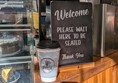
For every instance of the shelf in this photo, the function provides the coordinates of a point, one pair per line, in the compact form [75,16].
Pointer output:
[13,27]
[24,55]
[10,62]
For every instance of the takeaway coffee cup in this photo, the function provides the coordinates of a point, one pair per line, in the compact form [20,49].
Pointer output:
[48,55]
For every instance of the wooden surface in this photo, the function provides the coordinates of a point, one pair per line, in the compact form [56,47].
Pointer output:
[101,70]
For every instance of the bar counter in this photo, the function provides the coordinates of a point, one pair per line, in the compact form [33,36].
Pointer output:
[101,70]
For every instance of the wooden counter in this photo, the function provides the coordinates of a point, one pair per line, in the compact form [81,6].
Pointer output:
[101,70]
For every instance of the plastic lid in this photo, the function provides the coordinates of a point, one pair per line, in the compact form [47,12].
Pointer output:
[48,44]
[48,79]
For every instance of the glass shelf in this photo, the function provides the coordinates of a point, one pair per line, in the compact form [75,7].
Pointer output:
[15,60]
[13,27]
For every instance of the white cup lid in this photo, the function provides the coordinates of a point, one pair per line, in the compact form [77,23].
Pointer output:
[48,79]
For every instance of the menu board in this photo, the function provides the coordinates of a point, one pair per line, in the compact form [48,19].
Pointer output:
[71,23]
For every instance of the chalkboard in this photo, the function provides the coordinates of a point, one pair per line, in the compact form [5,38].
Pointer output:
[71,23]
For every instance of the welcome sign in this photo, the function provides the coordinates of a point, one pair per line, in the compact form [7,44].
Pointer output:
[72,27]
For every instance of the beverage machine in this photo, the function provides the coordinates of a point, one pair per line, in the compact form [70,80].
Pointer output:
[103,30]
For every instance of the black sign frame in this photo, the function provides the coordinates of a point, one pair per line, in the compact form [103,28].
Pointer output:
[71,23]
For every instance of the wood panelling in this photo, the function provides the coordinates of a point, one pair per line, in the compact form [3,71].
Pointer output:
[99,78]
[109,75]
[91,80]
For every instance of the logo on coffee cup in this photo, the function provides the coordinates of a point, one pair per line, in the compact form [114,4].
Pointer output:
[47,65]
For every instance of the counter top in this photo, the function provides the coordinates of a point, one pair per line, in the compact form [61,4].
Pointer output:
[81,72]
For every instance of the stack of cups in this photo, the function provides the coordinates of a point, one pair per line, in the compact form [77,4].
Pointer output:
[48,55]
